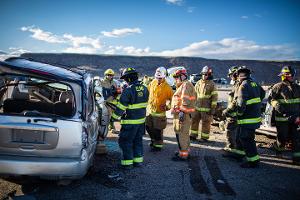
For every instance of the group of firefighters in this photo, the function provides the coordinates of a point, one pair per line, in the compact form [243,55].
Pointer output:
[141,107]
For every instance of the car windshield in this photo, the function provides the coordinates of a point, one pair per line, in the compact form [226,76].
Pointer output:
[20,95]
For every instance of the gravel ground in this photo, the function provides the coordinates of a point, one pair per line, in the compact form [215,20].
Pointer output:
[207,175]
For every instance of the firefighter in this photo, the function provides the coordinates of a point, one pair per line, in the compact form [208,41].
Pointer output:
[248,107]
[230,112]
[109,90]
[131,110]
[160,95]
[285,98]
[205,105]
[183,104]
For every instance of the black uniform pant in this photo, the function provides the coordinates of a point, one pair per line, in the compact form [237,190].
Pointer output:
[287,131]
[246,142]
[131,143]
[155,126]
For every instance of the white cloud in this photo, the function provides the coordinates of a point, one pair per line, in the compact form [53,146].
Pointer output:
[258,15]
[244,17]
[83,40]
[232,48]
[16,51]
[42,35]
[191,9]
[121,32]
[84,49]
[202,30]
[175,2]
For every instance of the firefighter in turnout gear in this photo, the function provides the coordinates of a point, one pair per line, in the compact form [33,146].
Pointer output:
[131,111]
[183,104]
[160,95]
[248,105]
[109,89]
[205,105]
[230,111]
[285,98]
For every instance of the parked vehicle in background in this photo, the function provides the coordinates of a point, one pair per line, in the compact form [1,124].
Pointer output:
[220,81]
[170,80]
[49,121]
[194,78]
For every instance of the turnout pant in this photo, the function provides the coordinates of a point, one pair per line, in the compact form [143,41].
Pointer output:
[287,131]
[205,119]
[246,143]
[181,130]
[131,143]
[231,133]
[155,126]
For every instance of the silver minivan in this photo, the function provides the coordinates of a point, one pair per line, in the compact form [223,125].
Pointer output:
[49,121]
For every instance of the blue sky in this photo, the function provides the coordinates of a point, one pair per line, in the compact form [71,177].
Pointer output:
[221,29]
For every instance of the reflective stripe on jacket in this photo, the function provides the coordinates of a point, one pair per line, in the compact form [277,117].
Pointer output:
[249,97]
[207,95]
[287,96]
[184,98]
[131,109]
[159,94]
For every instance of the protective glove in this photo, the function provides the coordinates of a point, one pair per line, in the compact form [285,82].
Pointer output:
[297,121]
[181,116]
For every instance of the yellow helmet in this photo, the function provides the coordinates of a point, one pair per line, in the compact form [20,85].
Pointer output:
[109,72]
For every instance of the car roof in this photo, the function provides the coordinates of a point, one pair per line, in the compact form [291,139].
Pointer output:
[18,65]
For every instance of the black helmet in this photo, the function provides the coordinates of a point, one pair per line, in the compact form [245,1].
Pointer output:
[232,70]
[243,69]
[127,72]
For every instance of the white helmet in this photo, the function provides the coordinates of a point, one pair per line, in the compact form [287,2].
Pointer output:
[160,73]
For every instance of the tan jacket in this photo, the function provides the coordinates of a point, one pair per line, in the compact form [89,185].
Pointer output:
[107,89]
[159,94]
[184,98]
[207,96]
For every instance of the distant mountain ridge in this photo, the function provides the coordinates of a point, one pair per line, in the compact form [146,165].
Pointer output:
[264,71]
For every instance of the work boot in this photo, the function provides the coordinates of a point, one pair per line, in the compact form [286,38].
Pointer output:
[135,164]
[193,138]
[126,167]
[155,149]
[237,157]
[176,157]
[248,164]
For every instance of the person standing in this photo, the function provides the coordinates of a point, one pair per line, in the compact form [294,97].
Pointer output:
[109,89]
[206,103]
[160,96]
[230,111]
[183,104]
[248,106]
[285,98]
[131,111]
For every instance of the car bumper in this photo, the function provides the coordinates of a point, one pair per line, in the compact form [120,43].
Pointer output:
[49,168]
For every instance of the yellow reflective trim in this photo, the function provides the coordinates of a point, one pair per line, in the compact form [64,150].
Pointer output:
[158,114]
[133,121]
[253,101]
[296,154]
[126,162]
[289,101]
[204,135]
[214,93]
[203,96]
[253,158]
[281,119]
[213,103]
[138,159]
[138,105]
[121,106]
[203,109]
[236,151]
[115,116]
[194,132]
[249,121]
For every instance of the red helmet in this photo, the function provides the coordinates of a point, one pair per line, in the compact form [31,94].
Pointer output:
[179,72]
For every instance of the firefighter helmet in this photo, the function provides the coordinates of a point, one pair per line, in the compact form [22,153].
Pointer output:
[109,72]
[179,72]
[206,70]
[287,71]
[160,73]
[232,70]
[128,72]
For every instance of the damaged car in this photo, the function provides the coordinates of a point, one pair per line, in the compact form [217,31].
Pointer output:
[49,120]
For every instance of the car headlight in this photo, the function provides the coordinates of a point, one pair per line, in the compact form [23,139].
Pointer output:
[83,155]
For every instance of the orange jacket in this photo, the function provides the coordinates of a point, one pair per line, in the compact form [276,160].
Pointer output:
[159,94]
[184,98]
